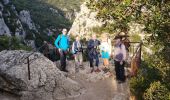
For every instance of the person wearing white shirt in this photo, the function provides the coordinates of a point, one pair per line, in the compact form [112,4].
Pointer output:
[105,50]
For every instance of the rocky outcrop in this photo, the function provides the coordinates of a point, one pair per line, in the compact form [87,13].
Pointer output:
[9,21]
[47,81]
[26,19]
[85,20]
[6,2]
[4,30]
[70,15]
[30,43]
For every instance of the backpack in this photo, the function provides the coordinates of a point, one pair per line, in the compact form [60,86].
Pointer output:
[60,35]
[57,50]
[75,46]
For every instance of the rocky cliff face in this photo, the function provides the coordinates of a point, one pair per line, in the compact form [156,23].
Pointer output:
[10,25]
[85,20]
[14,23]
[25,18]
[46,83]
[4,30]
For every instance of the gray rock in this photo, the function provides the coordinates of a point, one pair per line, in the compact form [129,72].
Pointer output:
[47,81]
[26,18]
[1,8]
[4,30]
[70,14]
[30,43]
[20,33]
[6,2]
[85,20]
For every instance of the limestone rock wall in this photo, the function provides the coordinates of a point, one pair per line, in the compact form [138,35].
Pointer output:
[85,20]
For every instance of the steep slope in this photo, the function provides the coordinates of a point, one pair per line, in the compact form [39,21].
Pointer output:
[32,20]
[50,13]
[69,7]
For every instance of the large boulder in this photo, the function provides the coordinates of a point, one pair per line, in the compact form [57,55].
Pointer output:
[46,82]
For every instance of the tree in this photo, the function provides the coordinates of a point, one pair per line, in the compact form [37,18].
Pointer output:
[155,16]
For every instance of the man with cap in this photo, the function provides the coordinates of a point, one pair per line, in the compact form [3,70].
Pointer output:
[119,59]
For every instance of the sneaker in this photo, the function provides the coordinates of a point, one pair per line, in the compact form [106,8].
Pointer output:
[121,81]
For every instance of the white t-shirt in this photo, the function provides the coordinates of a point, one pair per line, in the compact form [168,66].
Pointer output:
[105,47]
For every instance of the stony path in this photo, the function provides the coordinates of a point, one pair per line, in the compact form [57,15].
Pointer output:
[105,89]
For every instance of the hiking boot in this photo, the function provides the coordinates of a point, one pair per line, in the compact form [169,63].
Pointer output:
[92,70]
[64,70]
[97,70]
[120,81]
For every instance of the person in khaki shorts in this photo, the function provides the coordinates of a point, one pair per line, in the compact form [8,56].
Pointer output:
[77,51]
[105,49]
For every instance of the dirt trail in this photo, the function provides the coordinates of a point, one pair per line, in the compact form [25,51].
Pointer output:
[106,89]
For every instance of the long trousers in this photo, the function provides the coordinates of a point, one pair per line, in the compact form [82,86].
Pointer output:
[63,59]
[78,57]
[91,59]
[120,71]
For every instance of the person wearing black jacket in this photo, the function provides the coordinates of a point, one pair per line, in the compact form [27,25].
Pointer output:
[93,53]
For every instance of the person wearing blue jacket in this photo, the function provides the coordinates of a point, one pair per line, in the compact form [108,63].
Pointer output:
[62,43]
[93,53]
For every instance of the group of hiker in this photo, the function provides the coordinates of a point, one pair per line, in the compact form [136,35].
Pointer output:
[95,49]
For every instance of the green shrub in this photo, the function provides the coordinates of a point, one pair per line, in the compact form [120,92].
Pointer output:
[157,91]
[154,69]
[135,38]
[145,76]
[12,43]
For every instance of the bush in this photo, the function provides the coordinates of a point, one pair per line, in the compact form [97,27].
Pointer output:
[15,44]
[154,69]
[142,81]
[156,91]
